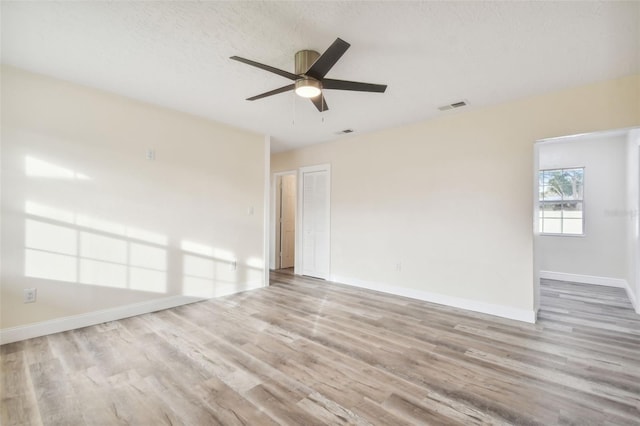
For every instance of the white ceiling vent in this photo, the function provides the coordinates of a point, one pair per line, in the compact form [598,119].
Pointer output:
[454,105]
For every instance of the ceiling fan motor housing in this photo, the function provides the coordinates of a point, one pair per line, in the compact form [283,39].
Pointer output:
[307,87]
[304,59]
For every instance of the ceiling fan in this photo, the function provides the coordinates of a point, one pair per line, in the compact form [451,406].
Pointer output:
[310,70]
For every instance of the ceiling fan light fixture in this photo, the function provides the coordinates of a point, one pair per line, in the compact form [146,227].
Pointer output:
[308,88]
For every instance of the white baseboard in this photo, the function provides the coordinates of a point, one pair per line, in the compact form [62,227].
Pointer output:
[584,279]
[590,279]
[14,334]
[23,332]
[456,302]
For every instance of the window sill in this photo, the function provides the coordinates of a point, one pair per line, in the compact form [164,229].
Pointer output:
[563,235]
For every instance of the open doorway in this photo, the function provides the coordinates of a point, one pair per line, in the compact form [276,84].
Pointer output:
[299,229]
[585,211]
[285,220]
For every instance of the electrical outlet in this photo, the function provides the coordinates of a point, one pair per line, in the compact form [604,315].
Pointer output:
[398,267]
[30,295]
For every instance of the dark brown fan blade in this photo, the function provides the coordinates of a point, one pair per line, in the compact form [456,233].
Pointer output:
[320,102]
[328,59]
[278,71]
[328,83]
[272,92]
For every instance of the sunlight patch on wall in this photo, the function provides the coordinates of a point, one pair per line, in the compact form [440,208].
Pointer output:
[199,276]
[216,253]
[100,224]
[59,247]
[147,280]
[148,266]
[60,215]
[81,248]
[103,260]
[105,274]
[198,248]
[49,212]
[34,167]
[147,256]
[254,273]
[207,271]
[99,247]
[50,266]
[53,238]
[199,267]
[255,262]
[148,236]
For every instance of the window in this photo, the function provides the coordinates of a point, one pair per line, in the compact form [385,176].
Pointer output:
[561,201]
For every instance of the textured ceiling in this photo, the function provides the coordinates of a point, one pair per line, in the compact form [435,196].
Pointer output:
[175,54]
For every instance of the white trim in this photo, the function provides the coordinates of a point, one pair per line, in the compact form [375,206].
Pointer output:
[14,334]
[633,202]
[585,184]
[23,332]
[536,226]
[590,279]
[266,216]
[584,279]
[441,299]
[273,215]
[580,136]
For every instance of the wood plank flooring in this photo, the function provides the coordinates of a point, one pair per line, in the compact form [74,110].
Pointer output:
[306,352]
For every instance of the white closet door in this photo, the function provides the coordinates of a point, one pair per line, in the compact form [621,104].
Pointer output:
[315,221]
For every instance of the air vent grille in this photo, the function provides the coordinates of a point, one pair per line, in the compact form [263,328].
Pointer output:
[454,105]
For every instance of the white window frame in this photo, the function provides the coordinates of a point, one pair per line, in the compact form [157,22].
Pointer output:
[539,201]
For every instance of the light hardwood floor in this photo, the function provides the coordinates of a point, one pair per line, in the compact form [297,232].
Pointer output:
[305,352]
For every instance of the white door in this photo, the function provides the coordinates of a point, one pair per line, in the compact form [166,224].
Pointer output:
[315,209]
[287,221]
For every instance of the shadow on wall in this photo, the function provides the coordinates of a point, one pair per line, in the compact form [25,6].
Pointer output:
[72,247]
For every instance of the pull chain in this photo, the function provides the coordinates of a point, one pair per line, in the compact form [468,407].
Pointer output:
[293,98]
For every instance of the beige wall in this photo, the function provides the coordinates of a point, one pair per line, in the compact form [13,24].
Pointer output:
[451,198]
[94,225]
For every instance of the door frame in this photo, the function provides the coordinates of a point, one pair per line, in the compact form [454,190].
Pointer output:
[634,142]
[300,215]
[631,209]
[273,246]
